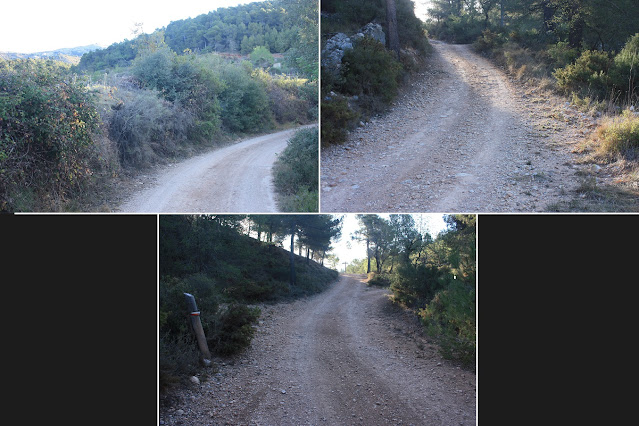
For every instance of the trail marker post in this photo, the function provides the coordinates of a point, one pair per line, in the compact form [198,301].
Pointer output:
[194,314]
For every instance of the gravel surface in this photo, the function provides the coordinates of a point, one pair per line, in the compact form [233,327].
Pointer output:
[345,356]
[233,179]
[461,138]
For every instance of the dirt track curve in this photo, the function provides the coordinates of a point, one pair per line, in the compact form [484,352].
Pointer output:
[233,179]
[462,138]
[345,356]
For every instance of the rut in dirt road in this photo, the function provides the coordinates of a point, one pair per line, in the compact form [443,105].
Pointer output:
[334,359]
[461,138]
[233,179]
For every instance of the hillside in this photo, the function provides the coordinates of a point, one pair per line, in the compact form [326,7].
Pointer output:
[234,30]
[211,258]
[69,55]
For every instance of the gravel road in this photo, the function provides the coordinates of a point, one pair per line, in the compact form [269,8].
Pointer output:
[345,356]
[461,138]
[233,179]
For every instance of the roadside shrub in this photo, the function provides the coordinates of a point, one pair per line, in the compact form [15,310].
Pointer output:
[587,75]
[562,54]
[625,70]
[295,173]
[450,316]
[244,102]
[619,136]
[147,127]
[368,68]
[379,280]
[47,125]
[487,41]
[337,117]
[234,330]
[416,285]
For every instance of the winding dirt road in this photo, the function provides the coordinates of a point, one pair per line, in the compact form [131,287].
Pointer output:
[461,138]
[234,179]
[345,356]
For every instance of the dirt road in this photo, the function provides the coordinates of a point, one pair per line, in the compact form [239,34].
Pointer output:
[346,356]
[233,179]
[461,138]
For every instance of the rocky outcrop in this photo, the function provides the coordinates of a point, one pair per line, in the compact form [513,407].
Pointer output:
[373,31]
[336,46]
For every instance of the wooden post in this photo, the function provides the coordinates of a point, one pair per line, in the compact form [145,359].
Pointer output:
[197,328]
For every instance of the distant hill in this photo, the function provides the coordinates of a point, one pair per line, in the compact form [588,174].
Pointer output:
[70,55]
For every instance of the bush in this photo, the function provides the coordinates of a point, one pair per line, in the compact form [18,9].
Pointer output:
[368,68]
[379,280]
[619,137]
[488,41]
[562,54]
[625,70]
[450,316]
[588,75]
[146,127]
[244,102]
[296,171]
[47,125]
[234,330]
[413,286]
[337,117]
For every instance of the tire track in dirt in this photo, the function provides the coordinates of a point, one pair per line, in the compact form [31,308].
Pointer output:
[344,356]
[460,139]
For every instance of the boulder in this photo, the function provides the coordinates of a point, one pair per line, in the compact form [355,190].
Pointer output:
[334,51]
[373,31]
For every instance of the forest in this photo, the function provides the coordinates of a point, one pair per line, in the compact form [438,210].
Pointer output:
[228,262]
[68,132]
[363,67]
[435,277]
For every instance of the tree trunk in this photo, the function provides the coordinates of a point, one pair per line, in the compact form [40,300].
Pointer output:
[292,258]
[368,256]
[391,26]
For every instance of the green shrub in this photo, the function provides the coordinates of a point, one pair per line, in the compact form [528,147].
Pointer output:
[416,285]
[337,117]
[234,330]
[488,41]
[587,75]
[379,280]
[624,73]
[146,127]
[244,102]
[47,125]
[368,68]
[450,316]
[562,54]
[296,171]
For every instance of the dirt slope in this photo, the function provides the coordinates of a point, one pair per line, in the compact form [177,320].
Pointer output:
[462,138]
[345,356]
[233,179]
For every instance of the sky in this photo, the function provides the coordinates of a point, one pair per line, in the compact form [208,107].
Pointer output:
[433,223]
[421,8]
[29,26]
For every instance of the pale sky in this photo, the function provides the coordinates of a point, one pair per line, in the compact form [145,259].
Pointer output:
[433,224]
[28,26]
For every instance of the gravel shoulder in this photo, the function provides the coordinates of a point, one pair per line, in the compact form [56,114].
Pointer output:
[236,178]
[345,356]
[461,138]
